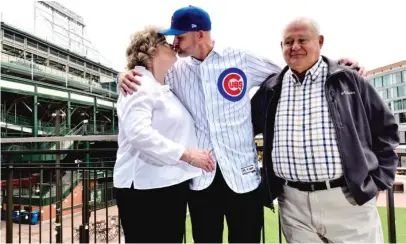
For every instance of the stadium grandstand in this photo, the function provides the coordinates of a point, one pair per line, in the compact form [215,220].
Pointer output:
[41,81]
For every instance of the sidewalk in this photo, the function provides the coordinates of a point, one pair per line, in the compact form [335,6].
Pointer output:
[47,228]
[400,200]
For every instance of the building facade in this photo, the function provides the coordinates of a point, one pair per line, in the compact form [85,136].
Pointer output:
[390,82]
[47,90]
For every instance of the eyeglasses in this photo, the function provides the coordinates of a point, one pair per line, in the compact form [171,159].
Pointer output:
[162,40]
[170,45]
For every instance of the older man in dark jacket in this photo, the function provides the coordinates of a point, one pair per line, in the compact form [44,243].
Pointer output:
[329,143]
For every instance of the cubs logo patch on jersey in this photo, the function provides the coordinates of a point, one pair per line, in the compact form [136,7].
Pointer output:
[232,84]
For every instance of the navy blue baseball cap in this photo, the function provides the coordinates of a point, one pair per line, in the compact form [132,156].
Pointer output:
[188,19]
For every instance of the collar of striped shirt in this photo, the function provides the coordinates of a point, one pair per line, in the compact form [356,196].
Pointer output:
[313,72]
[217,49]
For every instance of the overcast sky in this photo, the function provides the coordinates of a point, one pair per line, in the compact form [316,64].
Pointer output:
[371,32]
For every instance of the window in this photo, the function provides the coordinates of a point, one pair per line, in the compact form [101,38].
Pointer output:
[19,38]
[401,91]
[91,66]
[75,72]
[390,93]
[54,52]
[31,43]
[76,61]
[402,117]
[404,76]
[63,55]
[385,93]
[397,78]
[42,47]
[8,35]
[387,80]
[378,81]
[398,105]
[394,92]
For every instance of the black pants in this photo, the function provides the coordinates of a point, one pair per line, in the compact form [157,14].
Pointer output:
[244,213]
[156,215]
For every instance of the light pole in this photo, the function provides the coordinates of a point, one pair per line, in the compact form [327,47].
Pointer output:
[58,203]
[84,229]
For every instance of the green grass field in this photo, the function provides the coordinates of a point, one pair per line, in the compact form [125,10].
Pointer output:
[271,226]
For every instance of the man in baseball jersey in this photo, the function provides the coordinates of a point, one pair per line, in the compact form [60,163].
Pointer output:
[214,83]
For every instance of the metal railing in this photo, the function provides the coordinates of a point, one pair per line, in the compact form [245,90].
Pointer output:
[77,130]
[22,121]
[102,127]
[12,120]
[68,202]
[81,208]
[65,78]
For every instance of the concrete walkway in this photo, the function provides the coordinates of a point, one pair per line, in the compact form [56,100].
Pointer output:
[400,200]
[45,228]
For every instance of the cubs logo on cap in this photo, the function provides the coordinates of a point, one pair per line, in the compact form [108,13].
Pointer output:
[232,84]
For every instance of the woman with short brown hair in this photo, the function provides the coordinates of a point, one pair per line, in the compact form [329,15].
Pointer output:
[157,148]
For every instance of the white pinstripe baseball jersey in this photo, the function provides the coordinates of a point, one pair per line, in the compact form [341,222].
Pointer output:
[216,93]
